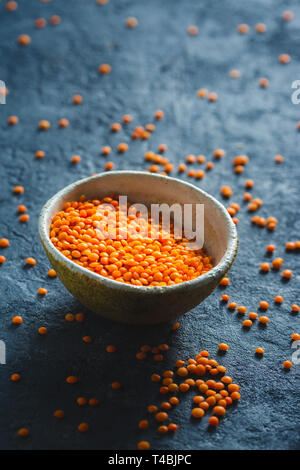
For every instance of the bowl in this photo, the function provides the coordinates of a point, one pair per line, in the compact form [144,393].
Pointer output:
[134,304]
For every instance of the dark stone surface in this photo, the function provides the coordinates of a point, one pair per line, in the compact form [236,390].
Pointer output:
[156,65]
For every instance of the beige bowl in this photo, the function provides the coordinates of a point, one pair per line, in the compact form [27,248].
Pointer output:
[134,304]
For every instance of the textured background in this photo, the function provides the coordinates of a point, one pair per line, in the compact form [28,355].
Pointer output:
[156,65]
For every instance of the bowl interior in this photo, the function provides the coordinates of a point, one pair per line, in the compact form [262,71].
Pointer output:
[141,187]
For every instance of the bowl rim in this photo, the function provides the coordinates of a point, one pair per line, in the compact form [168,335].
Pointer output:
[223,265]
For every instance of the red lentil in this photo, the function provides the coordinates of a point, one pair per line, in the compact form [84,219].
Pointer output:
[259,350]
[278,158]
[93,402]
[42,330]
[225,281]
[24,218]
[232,306]
[130,269]
[15,377]
[143,445]
[219,153]
[87,339]
[115,385]
[287,273]
[284,58]
[59,414]
[287,365]
[23,432]
[44,125]
[72,379]
[104,69]
[77,99]
[234,73]
[159,114]
[242,309]
[18,190]
[55,20]
[226,191]
[83,427]
[263,319]
[11,6]
[265,267]
[40,154]
[202,93]
[277,263]
[243,28]
[13,120]
[109,166]
[42,291]
[198,413]
[4,243]
[260,28]
[192,30]
[213,421]
[223,347]
[131,22]
[212,96]
[295,336]
[24,40]
[253,315]
[172,427]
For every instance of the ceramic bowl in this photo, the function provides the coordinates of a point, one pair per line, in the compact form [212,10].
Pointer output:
[133,304]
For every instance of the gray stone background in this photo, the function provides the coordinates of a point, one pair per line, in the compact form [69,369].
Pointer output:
[156,65]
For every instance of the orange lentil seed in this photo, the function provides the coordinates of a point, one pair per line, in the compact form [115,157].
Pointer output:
[213,421]
[243,28]
[42,291]
[295,336]
[42,330]
[81,401]
[24,40]
[83,427]
[71,379]
[23,432]
[284,58]
[263,319]
[104,69]
[4,243]
[259,350]
[15,377]
[116,385]
[287,274]
[223,347]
